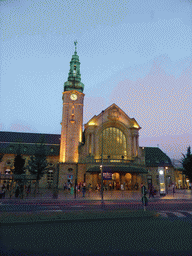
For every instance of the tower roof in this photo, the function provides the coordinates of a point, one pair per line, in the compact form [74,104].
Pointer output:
[74,77]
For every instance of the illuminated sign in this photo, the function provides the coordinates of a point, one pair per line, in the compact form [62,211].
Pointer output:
[107,175]
[162,180]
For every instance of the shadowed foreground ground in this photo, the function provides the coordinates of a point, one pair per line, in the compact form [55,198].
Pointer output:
[105,233]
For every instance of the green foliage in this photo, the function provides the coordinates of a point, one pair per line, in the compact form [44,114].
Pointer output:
[187,164]
[38,164]
[19,163]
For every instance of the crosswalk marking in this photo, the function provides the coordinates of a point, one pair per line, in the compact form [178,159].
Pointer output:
[180,214]
[163,214]
[190,212]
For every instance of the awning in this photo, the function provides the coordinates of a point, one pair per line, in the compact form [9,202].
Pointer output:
[120,168]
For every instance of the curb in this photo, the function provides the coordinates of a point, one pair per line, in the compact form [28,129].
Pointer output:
[60,216]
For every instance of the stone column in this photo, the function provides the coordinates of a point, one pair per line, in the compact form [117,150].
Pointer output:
[92,144]
[132,146]
[136,138]
[87,143]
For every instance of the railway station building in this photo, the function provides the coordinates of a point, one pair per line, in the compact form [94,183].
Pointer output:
[109,140]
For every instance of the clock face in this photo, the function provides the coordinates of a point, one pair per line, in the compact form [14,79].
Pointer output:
[73,96]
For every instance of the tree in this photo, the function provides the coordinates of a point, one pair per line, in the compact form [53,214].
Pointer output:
[187,164]
[19,163]
[38,164]
[19,169]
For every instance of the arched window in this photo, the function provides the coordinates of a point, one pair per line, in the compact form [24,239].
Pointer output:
[114,143]
[50,176]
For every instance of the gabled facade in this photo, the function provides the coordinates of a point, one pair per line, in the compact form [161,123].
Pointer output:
[119,134]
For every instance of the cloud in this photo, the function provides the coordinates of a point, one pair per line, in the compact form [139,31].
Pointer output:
[160,102]
[19,127]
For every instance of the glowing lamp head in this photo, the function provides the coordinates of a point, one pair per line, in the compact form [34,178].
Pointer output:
[161,172]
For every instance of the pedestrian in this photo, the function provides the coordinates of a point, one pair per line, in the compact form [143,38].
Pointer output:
[151,191]
[72,190]
[10,190]
[65,186]
[173,187]
[3,191]
[17,191]
[21,190]
[89,189]
[28,189]
[78,187]
[141,186]
[83,190]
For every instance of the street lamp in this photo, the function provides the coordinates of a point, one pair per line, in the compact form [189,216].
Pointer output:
[56,181]
[101,166]
[76,173]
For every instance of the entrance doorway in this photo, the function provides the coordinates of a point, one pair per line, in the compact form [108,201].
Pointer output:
[116,181]
[128,181]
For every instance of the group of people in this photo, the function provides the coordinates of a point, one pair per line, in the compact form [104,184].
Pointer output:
[2,191]
[18,190]
[80,187]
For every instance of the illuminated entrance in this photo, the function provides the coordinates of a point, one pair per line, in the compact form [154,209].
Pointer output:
[115,176]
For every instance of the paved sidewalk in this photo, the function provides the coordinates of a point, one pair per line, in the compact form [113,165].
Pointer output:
[46,194]
[58,215]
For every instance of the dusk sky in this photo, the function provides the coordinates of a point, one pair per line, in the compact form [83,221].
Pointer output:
[136,54]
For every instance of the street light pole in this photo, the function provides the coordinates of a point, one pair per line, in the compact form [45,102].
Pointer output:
[102,202]
[56,181]
[76,172]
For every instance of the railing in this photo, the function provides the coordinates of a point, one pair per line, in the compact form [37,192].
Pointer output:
[17,176]
[24,177]
[6,176]
[112,161]
[136,161]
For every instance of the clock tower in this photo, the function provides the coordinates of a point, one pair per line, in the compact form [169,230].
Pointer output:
[72,117]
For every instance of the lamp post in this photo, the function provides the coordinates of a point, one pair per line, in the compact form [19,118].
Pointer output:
[56,181]
[102,202]
[76,173]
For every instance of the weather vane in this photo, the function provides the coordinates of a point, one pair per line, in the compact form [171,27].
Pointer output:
[75,43]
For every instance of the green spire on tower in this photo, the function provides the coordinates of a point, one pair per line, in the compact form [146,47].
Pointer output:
[74,77]
[75,43]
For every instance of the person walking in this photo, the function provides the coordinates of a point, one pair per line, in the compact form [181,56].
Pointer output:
[89,189]
[173,188]
[151,191]
[72,190]
[28,189]
[83,190]
[10,190]
[17,191]
[21,190]
[3,191]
